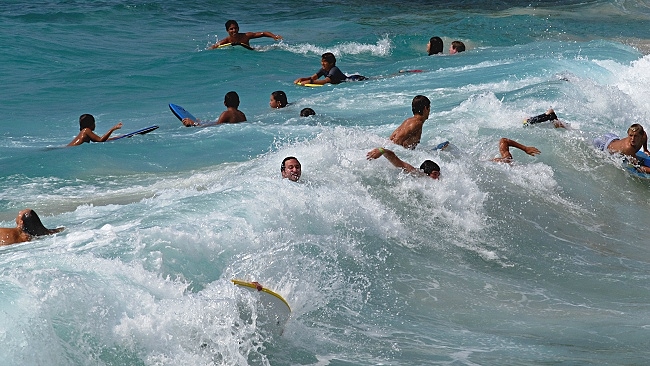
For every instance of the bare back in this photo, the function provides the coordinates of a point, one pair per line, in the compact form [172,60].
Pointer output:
[232,115]
[409,133]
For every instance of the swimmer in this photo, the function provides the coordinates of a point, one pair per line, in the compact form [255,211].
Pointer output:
[230,115]
[86,131]
[428,167]
[28,226]
[278,99]
[306,112]
[435,46]
[329,70]
[628,146]
[548,116]
[504,150]
[408,134]
[241,39]
[291,168]
[456,47]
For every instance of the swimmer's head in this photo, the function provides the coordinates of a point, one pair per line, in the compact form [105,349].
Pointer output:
[456,46]
[635,129]
[435,46]
[419,103]
[86,121]
[231,100]
[306,112]
[30,223]
[291,168]
[231,22]
[431,169]
[329,58]
[278,99]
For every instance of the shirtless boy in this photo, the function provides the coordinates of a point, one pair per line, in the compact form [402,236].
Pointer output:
[408,134]
[242,39]
[636,138]
[230,115]
[86,128]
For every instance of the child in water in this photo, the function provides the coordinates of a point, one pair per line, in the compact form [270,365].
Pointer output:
[241,39]
[86,128]
[28,225]
[230,115]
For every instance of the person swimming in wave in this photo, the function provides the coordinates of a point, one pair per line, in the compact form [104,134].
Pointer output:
[628,146]
[435,46]
[291,168]
[409,133]
[28,226]
[306,112]
[328,69]
[231,115]
[504,150]
[428,167]
[86,131]
[549,115]
[241,39]
[456,47]
[278,99]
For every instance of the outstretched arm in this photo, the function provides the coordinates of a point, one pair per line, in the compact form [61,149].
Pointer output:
[308,80]
[251,35]
[388,154]
[504,149]
[108,134]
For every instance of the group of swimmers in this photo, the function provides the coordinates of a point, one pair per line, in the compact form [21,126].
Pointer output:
[408,134]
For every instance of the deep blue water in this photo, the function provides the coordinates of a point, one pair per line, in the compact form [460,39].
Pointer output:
[540,262]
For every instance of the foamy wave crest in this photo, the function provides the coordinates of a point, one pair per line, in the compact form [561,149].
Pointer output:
[383,47]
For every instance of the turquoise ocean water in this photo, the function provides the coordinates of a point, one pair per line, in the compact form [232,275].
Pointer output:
[542,262]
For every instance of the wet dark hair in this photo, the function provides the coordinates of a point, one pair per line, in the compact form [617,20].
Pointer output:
[429,166]
[231,22]
[329,58]
[418,104]
[435,45]
[231,99]
[306,112]
[33,226]
[458,46]
[280,97]
[285,160]
[86,121]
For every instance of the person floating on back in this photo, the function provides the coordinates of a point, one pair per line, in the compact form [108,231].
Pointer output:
[628,146]
[428,167]
[329,70]
[241,39]
[28,226]
[435,46]
[408,134]
[86,128]
[278,99]
[456,47]
[230,115]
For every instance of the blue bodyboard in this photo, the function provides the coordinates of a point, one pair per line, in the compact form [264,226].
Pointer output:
[138,132]
[181,113]
[644,160]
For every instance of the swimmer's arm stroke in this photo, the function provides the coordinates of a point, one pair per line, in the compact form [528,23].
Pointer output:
[388,154]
